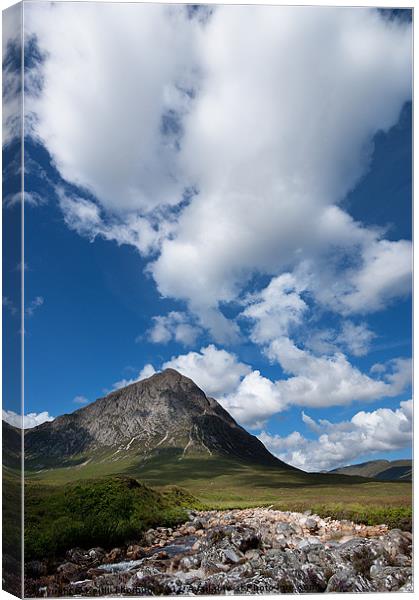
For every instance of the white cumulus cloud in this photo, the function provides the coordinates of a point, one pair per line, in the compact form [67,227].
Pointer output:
[332,380]
[28,421]
[312,381]
[254,140]
[216,371]
[174,326]
[147,371]
[103,102]
[275,309]
[338,444]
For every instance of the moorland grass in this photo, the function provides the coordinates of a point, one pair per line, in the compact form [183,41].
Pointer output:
[104,512]
[92,505]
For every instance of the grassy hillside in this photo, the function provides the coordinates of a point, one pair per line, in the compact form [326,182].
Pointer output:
[203,472]
[385,470]
[12,513]
[225,483]
[103,512]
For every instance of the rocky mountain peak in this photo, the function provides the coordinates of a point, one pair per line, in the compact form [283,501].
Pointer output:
[166,411]
[170,380]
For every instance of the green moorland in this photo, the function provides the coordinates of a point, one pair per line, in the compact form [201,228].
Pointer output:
[12,514]
[103,512]
[111,502]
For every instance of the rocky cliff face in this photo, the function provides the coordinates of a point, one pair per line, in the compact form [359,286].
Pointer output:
[164,411]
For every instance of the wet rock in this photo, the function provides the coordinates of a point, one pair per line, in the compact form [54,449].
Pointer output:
[395,543]
[149,537]
[134,552]
[252,554]
[346,581]
[311,524]
[251,551]
[313,579]
[115,555]
[35,568]
[230,556]
[308,542]
[94,572]
[79,556]
[245,539]
[285,528]
[70,572]
[96,554]
[391,579]
[408,586]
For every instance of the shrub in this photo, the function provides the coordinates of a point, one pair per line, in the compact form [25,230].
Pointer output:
[395,517]
[106,512]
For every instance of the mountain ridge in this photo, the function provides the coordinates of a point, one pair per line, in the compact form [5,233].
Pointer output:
[385,470]
[164,411]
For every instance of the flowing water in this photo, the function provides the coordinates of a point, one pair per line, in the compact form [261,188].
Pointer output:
[180,546]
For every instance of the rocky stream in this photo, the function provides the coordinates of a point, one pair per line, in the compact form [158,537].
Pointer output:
[251,551]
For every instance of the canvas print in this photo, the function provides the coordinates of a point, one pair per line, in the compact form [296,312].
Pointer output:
[207,262]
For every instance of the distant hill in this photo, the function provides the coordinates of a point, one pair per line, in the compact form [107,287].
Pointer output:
[385,470]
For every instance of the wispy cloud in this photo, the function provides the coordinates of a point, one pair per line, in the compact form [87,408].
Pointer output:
[30,198]
[145,372]
[34,305]
[10,305]
[80,400]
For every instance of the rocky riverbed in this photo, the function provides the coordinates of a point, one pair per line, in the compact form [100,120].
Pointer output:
[252,551]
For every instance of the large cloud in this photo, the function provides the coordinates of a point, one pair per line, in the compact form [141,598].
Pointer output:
[256,121]
[27,421]
[313,382]
[11,75]
[175,326]
[380,271]
[111,77]
[275,309]
[366,434]
[352,337]
[216,371]
[220,146]
[280,131]
[318,382]
[333,380]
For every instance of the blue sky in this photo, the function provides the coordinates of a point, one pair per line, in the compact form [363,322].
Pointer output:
[243,216]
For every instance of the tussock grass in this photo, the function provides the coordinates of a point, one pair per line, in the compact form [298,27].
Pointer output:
[92,505]
[104,512]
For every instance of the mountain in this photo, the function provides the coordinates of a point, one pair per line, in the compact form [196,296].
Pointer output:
[164,413]
[385,470]
[12,446]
